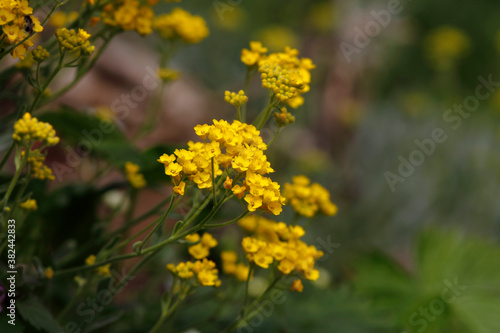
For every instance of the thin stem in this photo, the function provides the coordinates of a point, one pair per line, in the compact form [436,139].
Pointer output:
[262,118]
[160,222]
[79,75]
[228,222]
[247,314]
[51,77]
[14,180]
[139,218]
[238,113]
[275,136]
[245,298]
[50,13]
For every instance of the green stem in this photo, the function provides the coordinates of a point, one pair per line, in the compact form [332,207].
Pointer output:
[50,13]
[262,118]
[245,298]
[247,314]
[275,136]
[51,77]
[82,71]
[133,222]
[228,222]
[160,222]
[14,180]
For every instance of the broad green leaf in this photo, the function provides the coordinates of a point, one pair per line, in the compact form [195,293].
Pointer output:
[34,312]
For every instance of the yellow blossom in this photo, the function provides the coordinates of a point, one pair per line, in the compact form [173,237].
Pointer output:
[29,204]
[135,178]
[49,273]
[181,24]
[297,285]
[307,199]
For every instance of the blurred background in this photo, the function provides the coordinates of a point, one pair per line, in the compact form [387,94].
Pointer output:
[415,245]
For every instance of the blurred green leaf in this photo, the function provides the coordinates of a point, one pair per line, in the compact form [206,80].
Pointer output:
[34,312]
[455,288]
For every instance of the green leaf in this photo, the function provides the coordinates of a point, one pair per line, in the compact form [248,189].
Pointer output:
[92,135]
[33,311]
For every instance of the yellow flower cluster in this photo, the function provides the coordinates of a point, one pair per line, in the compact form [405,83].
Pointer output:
[283,71]
[284,118]
[276,241]
[18,23]
[231,267]
[129,15]
[167,74]
[101,270]
[134,177]
[28,128]
[236,99]
[179,23]
[73,41]
[235,147]
[445,45]
[204,244]
[38,169]
[306,198]
[284,83]
[40,54]
[252,56]
[29,204]
[204,270]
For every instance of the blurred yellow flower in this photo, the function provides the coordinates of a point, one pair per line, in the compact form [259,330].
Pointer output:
[277,37]
[444,46]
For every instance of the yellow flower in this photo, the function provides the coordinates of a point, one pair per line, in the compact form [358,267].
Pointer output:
[236,99]
[40,54]
[193,238]
[445,45]
[179,189]
[167,74]
[202,249]
[6,15]
[297,285]
[308,199]
[135,178]
[181,24]
[275,241]
[204,270]
[208,241]
[236,146]
[90,260]
[75,41]
[28,128]
[198,251]
[129,15]
[277,37]
[49,273]
[252,56]
[101,270]
[104,270]
[29,204]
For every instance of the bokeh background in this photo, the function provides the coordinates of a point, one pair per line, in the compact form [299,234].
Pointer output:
[391,253]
